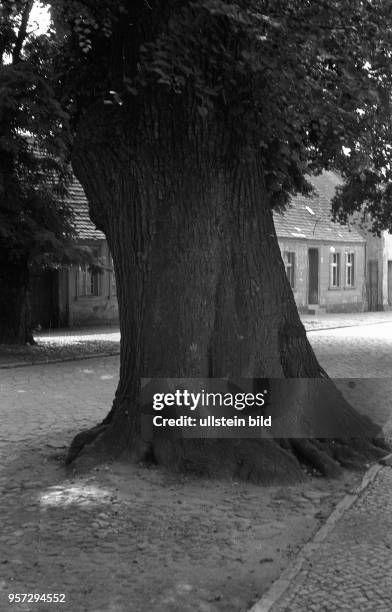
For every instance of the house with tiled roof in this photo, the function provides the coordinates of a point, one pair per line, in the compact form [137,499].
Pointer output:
[91,295]
[325,261]
[78,295]
[326,264]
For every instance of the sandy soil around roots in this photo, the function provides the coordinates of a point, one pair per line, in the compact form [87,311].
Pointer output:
[123,538]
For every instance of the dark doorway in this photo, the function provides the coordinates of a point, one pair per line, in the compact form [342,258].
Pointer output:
[44,305]
[313,258]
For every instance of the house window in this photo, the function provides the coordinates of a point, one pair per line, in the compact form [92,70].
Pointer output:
[334,279]
[349,269]
[89,282]
[289,259]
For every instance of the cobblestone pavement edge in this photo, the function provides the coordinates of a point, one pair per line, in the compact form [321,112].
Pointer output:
[280,590]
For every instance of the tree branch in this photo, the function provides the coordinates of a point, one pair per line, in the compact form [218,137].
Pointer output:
[22,32]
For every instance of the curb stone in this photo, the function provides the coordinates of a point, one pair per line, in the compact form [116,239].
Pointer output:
[18,364]
[319,329]
[281,585]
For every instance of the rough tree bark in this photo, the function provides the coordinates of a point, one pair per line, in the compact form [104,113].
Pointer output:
[202,288]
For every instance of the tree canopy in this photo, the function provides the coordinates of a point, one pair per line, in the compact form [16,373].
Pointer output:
[36,222]
[306,83]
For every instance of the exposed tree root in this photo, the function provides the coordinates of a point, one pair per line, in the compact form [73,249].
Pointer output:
[265,461]
[375,445]
[347,456]
[257,461]
[358,450]
[83,440]
[316,458]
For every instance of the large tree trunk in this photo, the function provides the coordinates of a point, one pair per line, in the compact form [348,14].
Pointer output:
[15,311]
[202,288]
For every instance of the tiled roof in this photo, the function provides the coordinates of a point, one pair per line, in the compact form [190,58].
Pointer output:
[307,217]
[85,228]
[310,217]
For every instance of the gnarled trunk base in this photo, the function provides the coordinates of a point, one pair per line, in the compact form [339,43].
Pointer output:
[260,461]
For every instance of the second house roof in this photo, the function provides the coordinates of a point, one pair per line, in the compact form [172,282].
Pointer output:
[310,217]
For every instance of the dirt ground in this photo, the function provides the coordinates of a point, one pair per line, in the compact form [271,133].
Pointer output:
[130,538]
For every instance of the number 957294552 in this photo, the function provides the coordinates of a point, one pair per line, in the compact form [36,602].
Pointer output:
[36,597]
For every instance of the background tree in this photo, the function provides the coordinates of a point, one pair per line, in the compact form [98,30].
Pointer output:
[36,228]
[194,120]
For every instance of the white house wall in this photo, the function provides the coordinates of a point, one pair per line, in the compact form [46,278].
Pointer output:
[386,257]
[99,309]
[340,299]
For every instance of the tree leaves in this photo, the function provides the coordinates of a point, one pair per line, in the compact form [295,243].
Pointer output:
[35,221]
[292,75]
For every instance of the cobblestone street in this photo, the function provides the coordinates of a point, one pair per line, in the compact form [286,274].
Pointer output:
[356,351]
[126,540]
[352,568]
[45,399]
[43,406]
[362,353]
